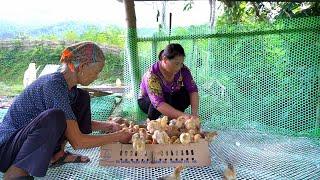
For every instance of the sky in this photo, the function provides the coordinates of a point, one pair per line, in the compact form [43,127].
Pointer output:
[103,12]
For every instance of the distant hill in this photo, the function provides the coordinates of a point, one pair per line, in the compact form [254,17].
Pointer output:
[10,31]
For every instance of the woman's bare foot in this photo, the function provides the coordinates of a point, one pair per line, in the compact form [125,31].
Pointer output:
[14,172]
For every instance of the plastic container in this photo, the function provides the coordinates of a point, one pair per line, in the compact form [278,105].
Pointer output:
[156,155]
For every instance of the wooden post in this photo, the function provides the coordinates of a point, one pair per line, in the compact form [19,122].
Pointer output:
[132,44]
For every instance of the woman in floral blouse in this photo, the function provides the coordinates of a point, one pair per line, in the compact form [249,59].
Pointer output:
[168,88]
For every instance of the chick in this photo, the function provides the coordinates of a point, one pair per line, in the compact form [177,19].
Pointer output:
[175,175]
[197,122]
[229,173]
[135,137]
[149,136]
[180,121]
[190,124]
[163,122]
[152,126]
[172,130]
[135,128]
[161,137]
[143,133]
[172,122]
[185,138]
[196,138]
[177,141]
[210,136]
[173,139]
[138,143]
[192,132]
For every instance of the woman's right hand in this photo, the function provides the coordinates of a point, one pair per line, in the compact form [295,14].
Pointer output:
[124,136]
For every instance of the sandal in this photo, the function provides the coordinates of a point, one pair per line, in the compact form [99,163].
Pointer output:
[61,161]
[23,178]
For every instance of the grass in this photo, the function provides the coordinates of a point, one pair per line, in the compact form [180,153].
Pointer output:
[10,90]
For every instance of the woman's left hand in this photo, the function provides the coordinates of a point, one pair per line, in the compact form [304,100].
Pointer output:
[111,127]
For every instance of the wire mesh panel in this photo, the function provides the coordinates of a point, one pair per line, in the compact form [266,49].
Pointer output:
[267,76]
[254,154]
[255,83]
[101,107]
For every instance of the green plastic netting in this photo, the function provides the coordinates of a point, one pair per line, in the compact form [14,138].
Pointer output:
[102,107]
[255,155]
[259,87]
[263,76]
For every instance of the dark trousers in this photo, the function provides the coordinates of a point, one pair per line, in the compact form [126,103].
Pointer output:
[179,100]
[33,146]
[82,110]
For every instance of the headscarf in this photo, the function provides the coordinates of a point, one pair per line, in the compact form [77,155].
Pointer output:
[83,52]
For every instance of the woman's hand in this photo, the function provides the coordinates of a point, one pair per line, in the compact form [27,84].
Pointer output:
[124,136]
[110,127]
[189,116]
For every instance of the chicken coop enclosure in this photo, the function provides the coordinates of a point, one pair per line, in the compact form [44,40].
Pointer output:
[259,89]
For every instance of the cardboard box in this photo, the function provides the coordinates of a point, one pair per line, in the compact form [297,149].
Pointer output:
[157,155]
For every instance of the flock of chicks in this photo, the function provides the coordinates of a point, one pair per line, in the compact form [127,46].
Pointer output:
[182,130]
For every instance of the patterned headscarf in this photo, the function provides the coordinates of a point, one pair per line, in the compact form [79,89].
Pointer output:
[83,52]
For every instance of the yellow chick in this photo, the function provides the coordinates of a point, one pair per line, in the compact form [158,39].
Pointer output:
[192,132]
[175,175]
[177,141]
[135,128]
[229,173]
[185,138]
[172,131]
[210,136]
[180,121]
[152,126]
[161,137]
[163,122]
[197,121]
[135,137]
[196,138]
[190,124]
[138,143]
[143,133]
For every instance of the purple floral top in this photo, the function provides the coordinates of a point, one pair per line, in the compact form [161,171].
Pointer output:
[154,85]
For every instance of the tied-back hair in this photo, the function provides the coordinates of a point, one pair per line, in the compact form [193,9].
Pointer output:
[171,51]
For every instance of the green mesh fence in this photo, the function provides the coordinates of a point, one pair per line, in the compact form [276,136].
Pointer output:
[102,107]
[263,76]
[255,83]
